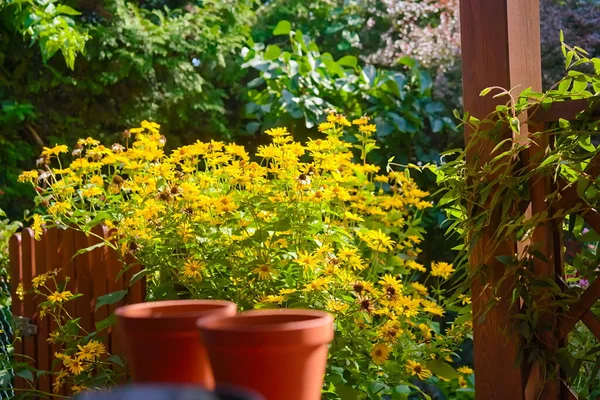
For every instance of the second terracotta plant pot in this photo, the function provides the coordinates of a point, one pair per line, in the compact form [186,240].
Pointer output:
[162,341]
[282,354]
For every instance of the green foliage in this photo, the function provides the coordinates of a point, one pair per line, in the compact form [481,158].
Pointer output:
[7,229]
[297,83]
[47,23]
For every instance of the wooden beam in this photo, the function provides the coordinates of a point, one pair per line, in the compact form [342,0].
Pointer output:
[500,47]
[565,109]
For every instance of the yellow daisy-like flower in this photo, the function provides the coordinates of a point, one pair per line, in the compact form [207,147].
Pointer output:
[193,269]
[58,381]
[307,260]
[361,121]
[353,217]
[75,365]
[28,176]
[54,151]
[380,353]
[464,299]
[432,308]
[419,288]
[388,281]
[325,126]
[274,298]
[336,306]
[378,241]
[462,382]
[39,280]
[264,272]
[76,389]
[277,132]
[38,226]
[90,351]
[59,297]
[416,369]
[465,370]
[317,284]
[442,269]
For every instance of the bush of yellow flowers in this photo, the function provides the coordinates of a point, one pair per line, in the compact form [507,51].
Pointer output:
[310,225]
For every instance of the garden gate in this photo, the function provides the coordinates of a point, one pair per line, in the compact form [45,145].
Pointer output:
[500,42]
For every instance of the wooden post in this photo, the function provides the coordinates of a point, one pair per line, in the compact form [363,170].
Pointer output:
[500,42]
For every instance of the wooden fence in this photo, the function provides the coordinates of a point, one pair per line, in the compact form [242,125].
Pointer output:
[92,274]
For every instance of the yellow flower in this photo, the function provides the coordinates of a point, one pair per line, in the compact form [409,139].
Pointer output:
[464,299]
[442,269]
[277,132]
[28,176]
[54,151]
[274,298]
[264,272]
[361,121]
[97,180]
[317,284]
[308,261]
[337,306]
[325,126]
[411,264]
[420,288]
[39,280]
[90,351]
[432,308]
[59,207]
[377,240]
[38,226]
[368,129]
[353,217]
[76,389]
[465,370]
[380,353]
[58,381]
[193,269]
[53,336]
[389,282]
[59,297]
[416,369]
[75,366]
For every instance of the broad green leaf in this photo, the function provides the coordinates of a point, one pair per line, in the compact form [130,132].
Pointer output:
[106,322]
[110,298]
[63,9]
[348,61]
[283,28]
[25,374]
[272,52]
[442,369]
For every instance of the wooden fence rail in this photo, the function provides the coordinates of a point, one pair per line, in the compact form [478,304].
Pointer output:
[92,274]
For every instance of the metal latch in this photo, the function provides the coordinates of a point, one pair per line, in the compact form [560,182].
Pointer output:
[24,326]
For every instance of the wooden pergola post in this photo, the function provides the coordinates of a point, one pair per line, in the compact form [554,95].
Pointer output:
[500,47]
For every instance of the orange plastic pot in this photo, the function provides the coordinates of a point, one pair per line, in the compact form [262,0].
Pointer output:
[282,354]
[162,342]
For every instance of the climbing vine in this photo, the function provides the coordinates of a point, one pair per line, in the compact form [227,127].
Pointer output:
[490,200]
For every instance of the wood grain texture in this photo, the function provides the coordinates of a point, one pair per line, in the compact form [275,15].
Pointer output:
[500,47]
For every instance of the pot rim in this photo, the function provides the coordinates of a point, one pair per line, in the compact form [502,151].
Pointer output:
[152,308]
[218,323]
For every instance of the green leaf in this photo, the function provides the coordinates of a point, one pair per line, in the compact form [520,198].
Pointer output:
[485,91]
[283,28]
[110,298]
[63,9]
[116,360]
[348,393]
[442,369]
[90,248]
[348,61]
[25,374]
[272,53]
[105,323]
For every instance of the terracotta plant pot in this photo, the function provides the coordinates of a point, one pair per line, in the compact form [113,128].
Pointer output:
[281,354]
[161,340]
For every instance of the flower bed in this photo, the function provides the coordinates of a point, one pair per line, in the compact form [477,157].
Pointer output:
[295,225]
